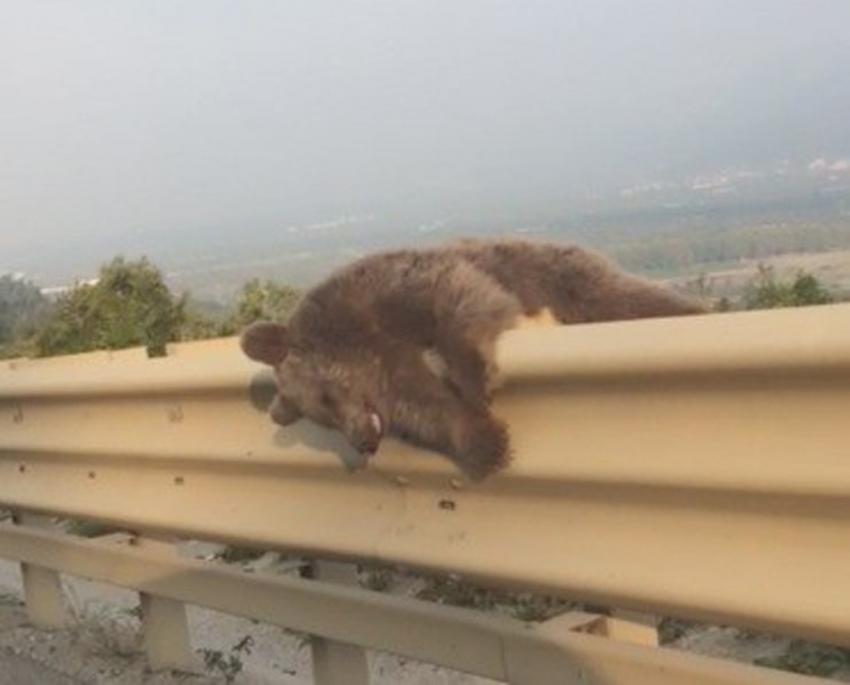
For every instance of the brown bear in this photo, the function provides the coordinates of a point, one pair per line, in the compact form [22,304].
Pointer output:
[351,357]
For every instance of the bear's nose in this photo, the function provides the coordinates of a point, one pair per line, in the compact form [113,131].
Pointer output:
[368,447]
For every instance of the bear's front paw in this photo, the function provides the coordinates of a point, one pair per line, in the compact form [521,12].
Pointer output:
[484,447]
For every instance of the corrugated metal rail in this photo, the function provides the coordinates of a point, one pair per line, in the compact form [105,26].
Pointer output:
[695,466]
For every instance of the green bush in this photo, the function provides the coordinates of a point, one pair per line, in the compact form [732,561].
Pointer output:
[765,291]
[128,305]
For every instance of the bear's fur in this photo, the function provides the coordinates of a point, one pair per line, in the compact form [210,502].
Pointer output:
[351,357]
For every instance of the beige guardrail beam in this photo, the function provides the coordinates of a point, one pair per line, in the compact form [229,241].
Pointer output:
[696,466]
[494,646]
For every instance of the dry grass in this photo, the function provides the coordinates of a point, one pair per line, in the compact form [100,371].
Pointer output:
[104,631]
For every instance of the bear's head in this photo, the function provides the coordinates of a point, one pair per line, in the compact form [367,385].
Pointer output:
[336,388]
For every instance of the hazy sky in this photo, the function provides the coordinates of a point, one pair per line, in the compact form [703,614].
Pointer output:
[120,116]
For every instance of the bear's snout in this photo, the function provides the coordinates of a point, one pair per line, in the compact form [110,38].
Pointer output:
[366,437]
[368,448]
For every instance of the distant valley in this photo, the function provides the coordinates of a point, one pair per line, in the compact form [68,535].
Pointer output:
[722,221]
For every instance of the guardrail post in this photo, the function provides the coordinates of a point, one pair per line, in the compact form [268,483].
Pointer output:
[637,617]
[336,663]
[164,623]
[43,596]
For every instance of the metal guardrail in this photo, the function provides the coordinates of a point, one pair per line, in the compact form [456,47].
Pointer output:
[693,466]
[573,648]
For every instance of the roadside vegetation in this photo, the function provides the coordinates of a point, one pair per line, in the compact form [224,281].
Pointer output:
[129,304]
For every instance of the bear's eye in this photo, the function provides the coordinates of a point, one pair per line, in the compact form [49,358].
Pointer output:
[326,400]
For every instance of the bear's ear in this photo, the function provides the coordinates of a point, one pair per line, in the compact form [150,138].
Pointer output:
[266,342]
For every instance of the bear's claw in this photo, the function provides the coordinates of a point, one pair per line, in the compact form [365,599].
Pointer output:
[484,448]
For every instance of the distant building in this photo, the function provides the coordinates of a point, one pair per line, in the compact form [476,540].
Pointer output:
[58,290]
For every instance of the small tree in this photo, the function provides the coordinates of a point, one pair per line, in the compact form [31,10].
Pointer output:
[128,305]
[806,289]
[765,291]
[22,310]
[267,300]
